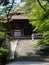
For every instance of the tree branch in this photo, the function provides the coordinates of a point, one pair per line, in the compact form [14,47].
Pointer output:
[9,9]
[48,0]
[41,5]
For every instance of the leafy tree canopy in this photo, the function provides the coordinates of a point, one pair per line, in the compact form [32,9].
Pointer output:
[39,17]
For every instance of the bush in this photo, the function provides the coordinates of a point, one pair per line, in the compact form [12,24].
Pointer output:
[4,55]
[2,38]
[39,43]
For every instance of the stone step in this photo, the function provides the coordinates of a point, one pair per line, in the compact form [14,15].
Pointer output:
[24,49]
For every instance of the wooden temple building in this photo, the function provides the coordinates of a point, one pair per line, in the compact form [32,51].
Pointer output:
[19,27]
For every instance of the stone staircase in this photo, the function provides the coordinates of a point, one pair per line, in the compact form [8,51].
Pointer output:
[22,50]
[25,51]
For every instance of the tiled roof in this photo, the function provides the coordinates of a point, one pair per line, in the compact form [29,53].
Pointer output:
[18,17]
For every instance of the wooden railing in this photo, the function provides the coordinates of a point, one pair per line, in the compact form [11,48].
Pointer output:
[34,36]
[21,37]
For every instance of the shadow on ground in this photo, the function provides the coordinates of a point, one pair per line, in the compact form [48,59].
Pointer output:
[43,51]
[40,55]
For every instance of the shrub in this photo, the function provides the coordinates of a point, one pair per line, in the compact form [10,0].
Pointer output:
[2,38]
[4,55]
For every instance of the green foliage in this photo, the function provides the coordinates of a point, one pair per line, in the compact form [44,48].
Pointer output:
[2,35]
[2,38]
[4,11]
[39,17]
[28,6]
[40,42]
[4,55]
